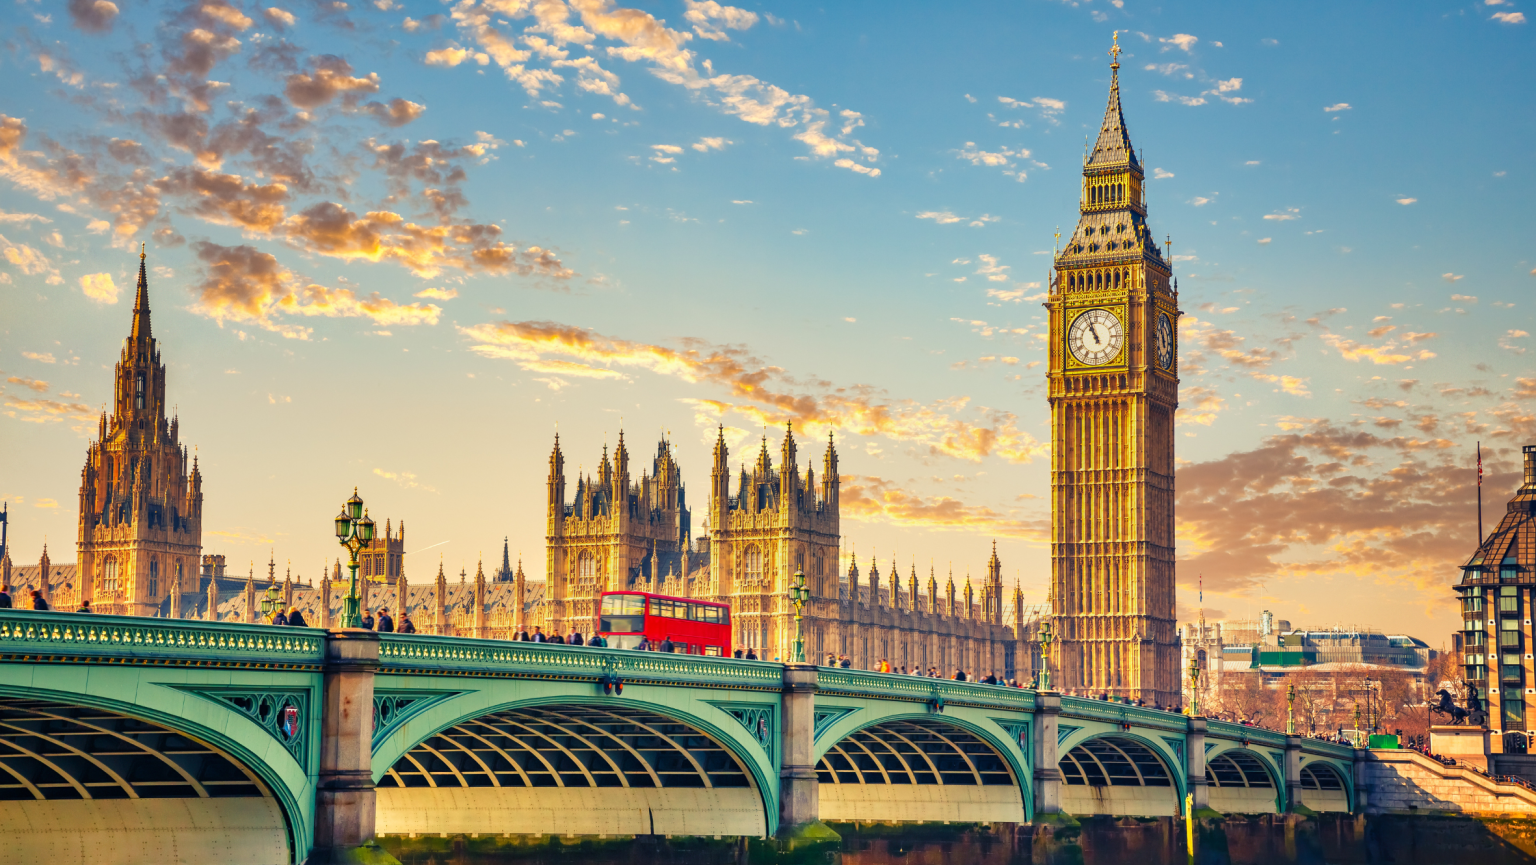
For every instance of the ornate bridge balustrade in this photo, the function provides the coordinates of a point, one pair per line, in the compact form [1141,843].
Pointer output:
[204,742]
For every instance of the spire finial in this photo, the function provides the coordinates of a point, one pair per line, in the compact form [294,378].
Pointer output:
[141,250]
[1114,53]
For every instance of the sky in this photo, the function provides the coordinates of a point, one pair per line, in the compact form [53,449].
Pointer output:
[398,245]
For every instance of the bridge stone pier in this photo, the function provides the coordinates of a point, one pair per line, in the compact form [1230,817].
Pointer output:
[165,741]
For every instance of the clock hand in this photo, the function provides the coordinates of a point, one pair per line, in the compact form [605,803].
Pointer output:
[1093,329]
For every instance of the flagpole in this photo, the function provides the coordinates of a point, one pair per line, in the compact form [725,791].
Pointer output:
[1479,494]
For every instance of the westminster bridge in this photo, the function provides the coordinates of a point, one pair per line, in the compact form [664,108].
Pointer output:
[189,741]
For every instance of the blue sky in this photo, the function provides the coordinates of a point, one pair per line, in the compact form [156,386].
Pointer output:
[394,245]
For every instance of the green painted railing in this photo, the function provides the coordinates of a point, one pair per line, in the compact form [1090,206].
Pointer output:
[405,653]
[42,635]
[1121,713]
[895,686]
[1238,732]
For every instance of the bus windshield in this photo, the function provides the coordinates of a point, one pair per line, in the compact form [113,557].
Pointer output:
[622,614]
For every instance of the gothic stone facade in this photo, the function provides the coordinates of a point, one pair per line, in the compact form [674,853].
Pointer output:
[141,493]
[1113,392]
[779,519]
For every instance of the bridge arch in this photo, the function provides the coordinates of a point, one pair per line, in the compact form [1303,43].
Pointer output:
[1324,787]
[1120,774]
[577,764]
[1243,782]
[921,768]
[83,775]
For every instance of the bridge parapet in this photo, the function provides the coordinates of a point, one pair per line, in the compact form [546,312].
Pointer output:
[409,653]
[917,689]
[50,636]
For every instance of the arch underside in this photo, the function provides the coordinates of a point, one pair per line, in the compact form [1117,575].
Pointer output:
[570,770]
[86,785]
[1118,776]
[1322,788]
[1239,784]
[917,770]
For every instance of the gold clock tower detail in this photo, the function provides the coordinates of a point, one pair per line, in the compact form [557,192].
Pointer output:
[1113,392]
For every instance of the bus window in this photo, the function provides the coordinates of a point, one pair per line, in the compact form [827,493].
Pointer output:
[706,613]
[622,614]
[665,609]
[713,651]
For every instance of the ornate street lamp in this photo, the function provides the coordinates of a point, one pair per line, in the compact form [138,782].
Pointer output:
[271,602]
[354,530]
[1045,654]
[799,595]
[1290,707]
[1194,686]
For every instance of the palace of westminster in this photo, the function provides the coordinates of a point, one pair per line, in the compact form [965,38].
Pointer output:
[1113,389]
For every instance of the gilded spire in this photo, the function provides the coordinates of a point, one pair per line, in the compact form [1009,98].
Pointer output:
[1114,144]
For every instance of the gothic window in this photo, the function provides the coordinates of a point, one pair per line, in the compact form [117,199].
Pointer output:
[586,567]
[138,396]
[109,575]
[154,577]
[753,562]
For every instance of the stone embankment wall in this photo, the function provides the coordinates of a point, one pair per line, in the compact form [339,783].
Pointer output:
[1402,781]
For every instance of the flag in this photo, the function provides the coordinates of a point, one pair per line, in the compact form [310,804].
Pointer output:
[1479,464]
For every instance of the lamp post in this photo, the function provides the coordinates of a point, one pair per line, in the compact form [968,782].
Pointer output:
[354,530]
[799,595]
[1290,705]
[271,602]
[1194,686]
[1045,654]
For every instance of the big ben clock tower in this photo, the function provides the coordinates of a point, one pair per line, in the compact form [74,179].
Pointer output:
[1113,392]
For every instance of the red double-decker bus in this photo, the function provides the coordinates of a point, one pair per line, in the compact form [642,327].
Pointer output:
[695,627]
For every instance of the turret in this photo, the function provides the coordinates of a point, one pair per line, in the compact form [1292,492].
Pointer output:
[853,580]
[555,497]
[874,583]
[789,477]
[829,480]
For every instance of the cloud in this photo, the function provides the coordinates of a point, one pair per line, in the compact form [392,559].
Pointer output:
[1199,405]
[704,145]
[1507,341]
[1325,501]
[1288,383]
[279,18]
[1200,201]
[635,36]
[710,20]
[1164,96]
[243,284]
[99,287]
[40,357]
[1160,174]
[766,393]
[1265,241]
[942,217]
[1285,215]
[1050,109]
[876,500]
[29,383]
[329,77]
[991,269]
[404,479]
[1003,158]
[48,410]
[450,57]
[1198,337]
[29,261]
[1182,41]
[438,293]
[92,16]
[1406,201]
[397,113]
[1509,17]
[1387,353]
[1338,106]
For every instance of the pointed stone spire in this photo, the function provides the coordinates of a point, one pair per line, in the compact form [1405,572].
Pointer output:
[440,601]
[141,330]
[1114,144]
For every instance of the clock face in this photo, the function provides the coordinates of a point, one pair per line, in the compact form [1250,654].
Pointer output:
[1095,337]
[1164,341]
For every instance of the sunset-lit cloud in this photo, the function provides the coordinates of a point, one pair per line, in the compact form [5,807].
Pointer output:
[873,499]
[766,393]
